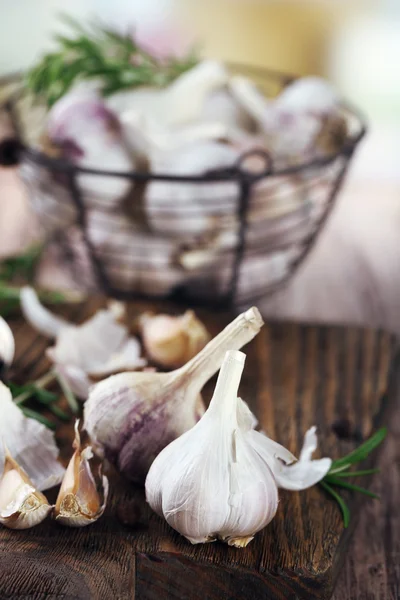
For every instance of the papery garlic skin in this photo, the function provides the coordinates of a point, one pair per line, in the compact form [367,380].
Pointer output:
[21,505]
[79,503]
[84,353]
[31,443]
[209,483]
[172,341]
[131,417]
[7,345]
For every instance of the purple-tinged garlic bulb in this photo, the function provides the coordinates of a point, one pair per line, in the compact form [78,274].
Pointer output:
[89,134]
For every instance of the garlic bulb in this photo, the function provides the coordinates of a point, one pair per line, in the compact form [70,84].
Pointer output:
[131,417]
[172,341]
[89,134]
[181,209]
[220,479]
[79,502]
[29,442]
[7,346]
[82,353]
[21,505]
[305,121]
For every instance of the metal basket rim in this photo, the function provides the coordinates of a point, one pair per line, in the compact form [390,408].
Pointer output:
[229,174]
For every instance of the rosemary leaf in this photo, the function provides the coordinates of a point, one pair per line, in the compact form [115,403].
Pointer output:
[32,414]
[343,506]
[348,486]
[354,473]
[361,452]
[96,52]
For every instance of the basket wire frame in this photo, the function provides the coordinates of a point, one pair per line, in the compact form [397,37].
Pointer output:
[330,171]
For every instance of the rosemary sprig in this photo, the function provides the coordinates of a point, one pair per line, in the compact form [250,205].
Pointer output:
[340,470]
[36,391]
[115,61]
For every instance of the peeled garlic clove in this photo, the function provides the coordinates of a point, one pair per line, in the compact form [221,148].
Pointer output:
[7,346]
[79,502]
[172,341]
[21,505]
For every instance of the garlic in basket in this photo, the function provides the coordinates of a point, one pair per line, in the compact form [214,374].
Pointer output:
[21,505]
[172,341]
[7,346]
[89,134]
[220,479]
[79,502]
[131,417]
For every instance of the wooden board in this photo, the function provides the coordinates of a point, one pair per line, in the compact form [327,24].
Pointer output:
[295,376]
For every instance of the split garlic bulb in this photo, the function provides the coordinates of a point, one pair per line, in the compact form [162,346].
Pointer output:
[172,341]
[220,479]
[21,505]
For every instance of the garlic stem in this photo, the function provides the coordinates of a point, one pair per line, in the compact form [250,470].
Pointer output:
[238,333]
[40,383]
[228,383]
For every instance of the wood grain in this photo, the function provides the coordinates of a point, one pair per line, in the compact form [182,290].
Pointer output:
[295,376]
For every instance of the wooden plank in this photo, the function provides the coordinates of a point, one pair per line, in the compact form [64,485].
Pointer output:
[295,376]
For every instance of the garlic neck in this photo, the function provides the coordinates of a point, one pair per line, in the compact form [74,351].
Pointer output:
[238,333]
[226,390]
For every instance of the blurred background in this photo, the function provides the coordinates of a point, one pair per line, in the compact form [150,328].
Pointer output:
[352,273]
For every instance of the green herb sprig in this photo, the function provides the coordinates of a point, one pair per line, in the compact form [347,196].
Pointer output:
[339,472]
[114,60]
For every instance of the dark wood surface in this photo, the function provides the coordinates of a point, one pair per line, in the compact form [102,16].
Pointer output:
[295,377]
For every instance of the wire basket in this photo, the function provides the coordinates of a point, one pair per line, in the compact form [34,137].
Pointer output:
[243,234]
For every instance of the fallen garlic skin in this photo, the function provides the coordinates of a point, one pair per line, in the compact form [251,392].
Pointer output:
[79,503]
[21,505]
[131,417]
[7,346]
[172,341]
[31,443]
[209,483]
[220,479]
[83,353]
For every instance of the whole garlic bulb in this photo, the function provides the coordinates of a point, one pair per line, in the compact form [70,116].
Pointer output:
[220,479]
[172,341]
[216,485]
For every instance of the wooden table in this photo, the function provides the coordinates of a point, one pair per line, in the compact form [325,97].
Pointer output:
[295,376]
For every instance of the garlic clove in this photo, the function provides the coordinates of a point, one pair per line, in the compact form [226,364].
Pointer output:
[30,442]
[38,316]
[21,505]
[172,341]
[7,346]
[79,502]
